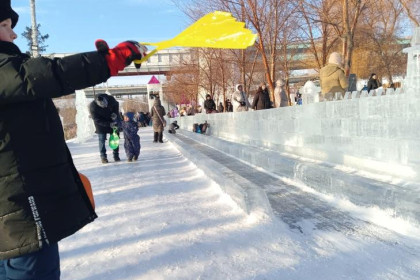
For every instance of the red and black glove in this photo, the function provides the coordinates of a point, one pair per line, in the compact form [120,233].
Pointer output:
[122,55]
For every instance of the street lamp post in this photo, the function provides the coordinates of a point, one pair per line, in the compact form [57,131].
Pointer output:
[35,47]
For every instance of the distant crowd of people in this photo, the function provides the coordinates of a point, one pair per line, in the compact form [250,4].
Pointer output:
[239,103]
[333,81]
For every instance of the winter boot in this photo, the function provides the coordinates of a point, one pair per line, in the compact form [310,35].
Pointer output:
[130,160]
[117,158]
[155,137]
[104,160]
[160,137]
[135,158]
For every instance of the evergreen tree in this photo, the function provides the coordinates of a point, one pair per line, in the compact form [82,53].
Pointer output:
[41,39]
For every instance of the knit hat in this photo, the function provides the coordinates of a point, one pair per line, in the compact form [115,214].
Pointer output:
[157,102]
[6,12]
[129,115]
[101,101]
[280,83]
[335,58]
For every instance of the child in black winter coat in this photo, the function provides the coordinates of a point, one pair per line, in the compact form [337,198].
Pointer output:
[131,138]
[42,196]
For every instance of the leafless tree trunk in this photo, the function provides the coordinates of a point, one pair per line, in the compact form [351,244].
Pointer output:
[349,30]
[320,17]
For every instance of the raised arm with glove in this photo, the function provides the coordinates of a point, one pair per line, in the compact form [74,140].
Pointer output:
[122,55]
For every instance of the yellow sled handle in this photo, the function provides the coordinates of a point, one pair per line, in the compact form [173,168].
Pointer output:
[218,30]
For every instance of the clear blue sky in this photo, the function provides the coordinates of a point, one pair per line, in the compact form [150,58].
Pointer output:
[74,25]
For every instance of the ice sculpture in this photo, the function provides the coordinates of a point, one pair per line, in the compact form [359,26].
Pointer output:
[85,127]
[310,93]
[412,80]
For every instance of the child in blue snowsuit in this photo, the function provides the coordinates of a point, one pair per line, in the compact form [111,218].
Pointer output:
[131,138]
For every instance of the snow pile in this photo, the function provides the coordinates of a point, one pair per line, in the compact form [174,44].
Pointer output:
[162,218]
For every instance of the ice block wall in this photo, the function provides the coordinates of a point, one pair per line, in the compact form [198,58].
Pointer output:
[377,133]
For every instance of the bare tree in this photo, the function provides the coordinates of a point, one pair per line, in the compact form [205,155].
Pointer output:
[184,82]
[380,40]
[135,105]
[321,26]
[316,30]
[242,61]
[268,18]
[352,9]
[412,9]
[340,16]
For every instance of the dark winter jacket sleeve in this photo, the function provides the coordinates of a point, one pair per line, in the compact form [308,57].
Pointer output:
[370,85]
[24,79]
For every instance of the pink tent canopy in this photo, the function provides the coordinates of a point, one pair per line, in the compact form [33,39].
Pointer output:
[153,81]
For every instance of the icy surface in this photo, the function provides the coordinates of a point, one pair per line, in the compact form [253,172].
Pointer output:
[162,218]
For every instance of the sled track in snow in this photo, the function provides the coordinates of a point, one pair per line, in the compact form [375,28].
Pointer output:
[303,212]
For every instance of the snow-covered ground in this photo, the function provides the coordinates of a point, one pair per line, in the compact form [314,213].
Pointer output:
[162,218]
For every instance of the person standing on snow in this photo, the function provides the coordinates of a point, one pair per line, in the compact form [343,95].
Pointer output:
[241,102]
[157,114]
[373,82]
[229,106]
[131,138]
[104,111]
[332,77]
[262,98]
[220,108]
[42,198]
[209,105]
[280,96]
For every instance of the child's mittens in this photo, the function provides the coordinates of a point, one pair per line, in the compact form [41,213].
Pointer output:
[122,55]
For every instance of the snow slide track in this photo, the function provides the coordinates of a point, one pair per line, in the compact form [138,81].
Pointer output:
[258,192]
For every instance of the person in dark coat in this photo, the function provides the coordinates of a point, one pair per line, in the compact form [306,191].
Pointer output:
[157,114]
[209,105]
[373,82]
[261,99]
[147,119]
[142,119]
[42,196]
[229,106]
[131,138]
[221,108]
[105,114]
[172,127]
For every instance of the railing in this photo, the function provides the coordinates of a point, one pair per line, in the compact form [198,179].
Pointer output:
[310,97]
